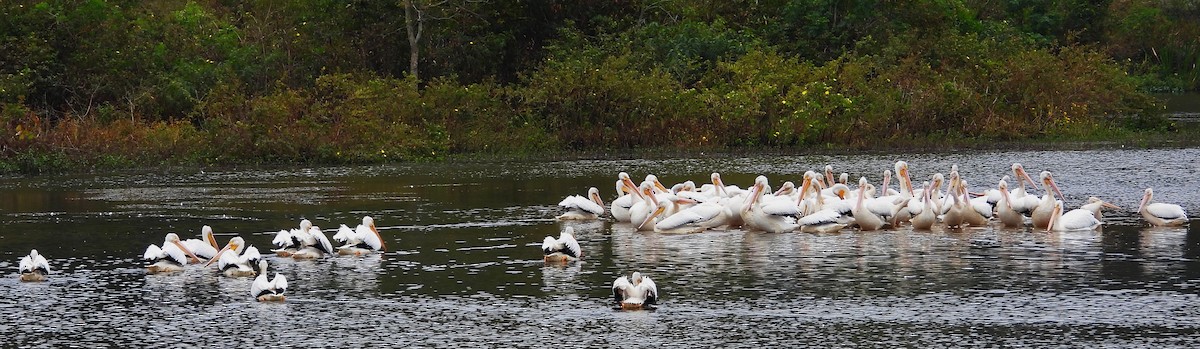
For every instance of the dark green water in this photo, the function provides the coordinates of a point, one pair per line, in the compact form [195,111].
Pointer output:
[464,269]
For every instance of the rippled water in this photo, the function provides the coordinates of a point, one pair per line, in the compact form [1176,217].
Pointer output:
[464,268]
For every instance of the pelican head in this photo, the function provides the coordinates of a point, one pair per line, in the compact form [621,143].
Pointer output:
[235,244]
[1146,197]
[636,278]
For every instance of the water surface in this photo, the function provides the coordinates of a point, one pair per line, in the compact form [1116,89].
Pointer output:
[464,269]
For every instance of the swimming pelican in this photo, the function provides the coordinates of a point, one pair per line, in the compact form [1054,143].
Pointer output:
[772,216]
[171,257]
[205,247]
[1041,213]
[1160,214]
[286,242]
[863,217]
[34,267]
[643,210]
[925,218]
[976,212]
[313,244]
[1004,210]
[1095,205]
[1022,201]
[240,262]
[627,195]
[561,250]
[1077,219]
[582,208]
[693,219]
[360,241]
[268,291]
[641,293]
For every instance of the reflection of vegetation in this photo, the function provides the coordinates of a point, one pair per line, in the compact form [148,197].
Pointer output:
[114,83]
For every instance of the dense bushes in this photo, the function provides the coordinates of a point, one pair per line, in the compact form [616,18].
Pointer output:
[114,83]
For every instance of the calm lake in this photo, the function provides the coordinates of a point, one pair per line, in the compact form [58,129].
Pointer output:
[464,267]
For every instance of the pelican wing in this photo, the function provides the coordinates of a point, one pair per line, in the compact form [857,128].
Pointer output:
[680,219]
[40,263]
[322,243]
[344,234]
[780,207]
[250,256]
[228,260]
[283,239]
[260,286]
[174,254]
[649,289]
[26,265]
[200,248]
[1079,219]
[570,246]
[1166,211]
[280,283]
[152,253]
[366,236]
[983,206]
[826,216]
[576,202]
[549,245]
[620,288]
[882,207]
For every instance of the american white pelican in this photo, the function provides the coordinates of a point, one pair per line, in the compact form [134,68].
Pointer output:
[641,293]
[772,216]
[863,217]
[360,241]
[268,291]
[1022,201]
[953,218]
[237,259]
[829,176]
[976,212]
[1095,205]
[643,210]
[1077,219]
[205,247]
[286,242]
[1160,214]
[823,221]
[563,249]
[34,267]
[582,208]
[1041,213]
[313,243]
[627,195]
[659,188]
[1004,210]
[171,257]
[693,219]
[925,218]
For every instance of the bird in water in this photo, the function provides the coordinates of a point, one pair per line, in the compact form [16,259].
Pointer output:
[635,292]
[268,290]
[563,249]
[34,267]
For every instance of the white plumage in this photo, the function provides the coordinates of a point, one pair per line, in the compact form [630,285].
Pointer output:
[1161,214]
[639,293]
[563,249]
[34,267]
[362,240]
[581,207]
[268,290]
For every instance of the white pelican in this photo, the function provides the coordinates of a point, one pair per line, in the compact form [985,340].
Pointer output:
[1004,210]
[1095,205]
[1022,201]
[953,218]
[693,219]
[829,176]
[1041,213]
[641,293]
[286,242]
[313,244]
[863,217]
[171,257]
[206,246]
[823,221]
[34,267]
[772,216]
[1077,219]
[643,210]
[241,262]
[976,212]
[925,218]
[268,291]
[627,195]
[561,250]
[582,208]
[360,241]
[1160,214]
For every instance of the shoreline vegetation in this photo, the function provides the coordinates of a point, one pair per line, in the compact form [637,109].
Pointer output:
[93,84]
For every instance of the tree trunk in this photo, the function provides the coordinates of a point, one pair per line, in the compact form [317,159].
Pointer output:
[414,24]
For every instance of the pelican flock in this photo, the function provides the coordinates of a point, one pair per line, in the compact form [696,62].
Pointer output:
[820,204]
